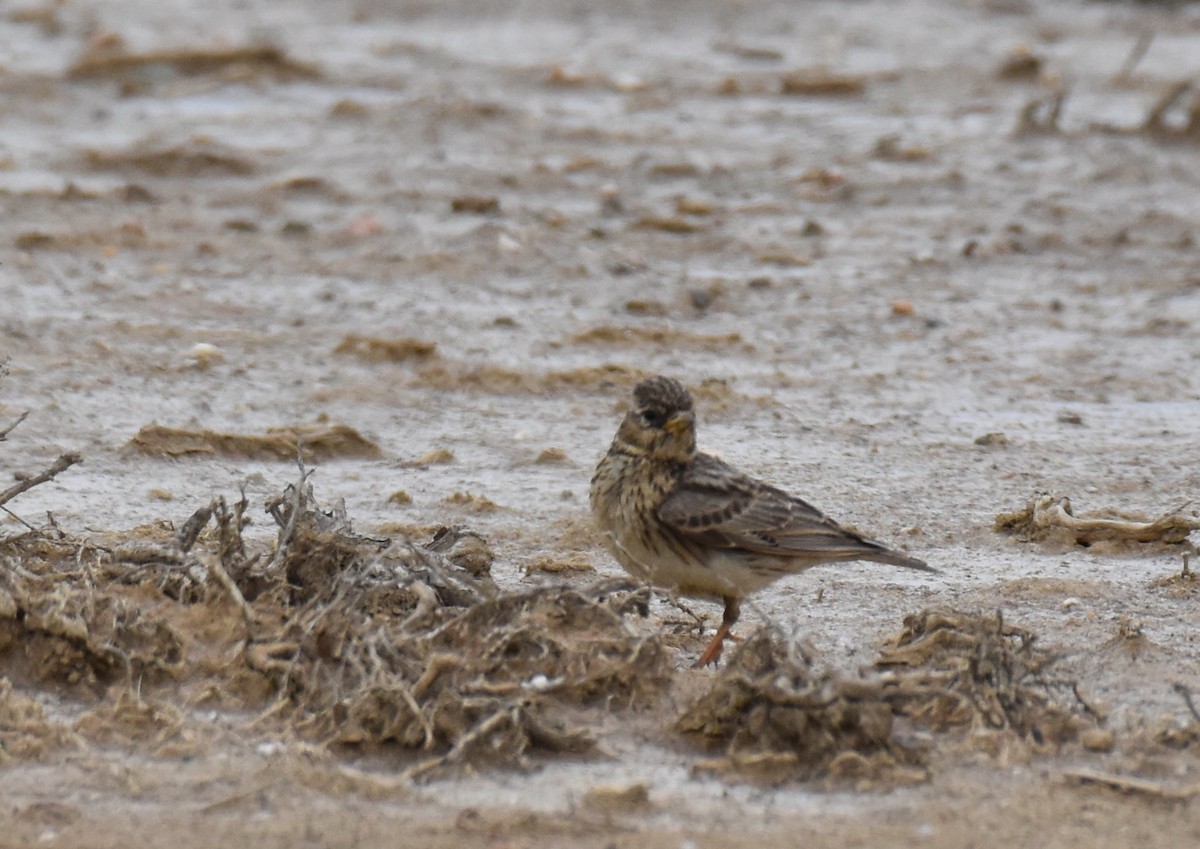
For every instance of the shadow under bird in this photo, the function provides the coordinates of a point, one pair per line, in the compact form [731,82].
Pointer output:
[678,518]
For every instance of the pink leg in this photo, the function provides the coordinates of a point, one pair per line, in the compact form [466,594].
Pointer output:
[713,652]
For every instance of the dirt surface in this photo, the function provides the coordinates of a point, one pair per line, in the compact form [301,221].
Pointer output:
[921,262]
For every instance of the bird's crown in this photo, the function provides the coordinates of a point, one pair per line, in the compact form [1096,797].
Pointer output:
[662,393]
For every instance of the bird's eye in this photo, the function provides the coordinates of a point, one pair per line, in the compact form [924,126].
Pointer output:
[652,418]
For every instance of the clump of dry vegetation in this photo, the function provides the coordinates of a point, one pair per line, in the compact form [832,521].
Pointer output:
[377,350]
[775,715]
[947,670]
[335,637]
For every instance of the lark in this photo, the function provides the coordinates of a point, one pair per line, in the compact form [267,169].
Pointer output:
[681,519]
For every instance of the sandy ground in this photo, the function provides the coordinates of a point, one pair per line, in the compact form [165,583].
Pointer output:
[863,276]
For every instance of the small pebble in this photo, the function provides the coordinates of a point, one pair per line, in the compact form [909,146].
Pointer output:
[994,438]
[616,798]
[203,355]
[551,455]
[1098,739]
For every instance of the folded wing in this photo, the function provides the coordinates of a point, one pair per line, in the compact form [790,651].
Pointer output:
[715,505]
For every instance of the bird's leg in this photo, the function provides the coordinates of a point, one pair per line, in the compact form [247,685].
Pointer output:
[711,654]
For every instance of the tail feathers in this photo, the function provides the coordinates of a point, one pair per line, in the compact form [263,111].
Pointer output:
[895,558]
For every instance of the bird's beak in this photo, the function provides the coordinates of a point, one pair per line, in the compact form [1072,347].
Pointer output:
[680,422]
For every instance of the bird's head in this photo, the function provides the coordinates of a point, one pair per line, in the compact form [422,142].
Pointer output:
[662,423]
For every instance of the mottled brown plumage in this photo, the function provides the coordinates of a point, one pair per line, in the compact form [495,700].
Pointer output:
[677,518]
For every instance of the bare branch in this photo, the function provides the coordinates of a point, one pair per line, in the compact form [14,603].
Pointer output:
[1135,55]
[61,464]
[18,518]
[4,433]
[1131,784]
[1186,694]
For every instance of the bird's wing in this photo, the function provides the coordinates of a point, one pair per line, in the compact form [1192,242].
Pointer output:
[716,505]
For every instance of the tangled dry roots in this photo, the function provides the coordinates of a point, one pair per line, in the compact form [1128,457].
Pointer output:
[26,733]
[777,717]
[951,669]
[413,645]
[59,626]
[341,638]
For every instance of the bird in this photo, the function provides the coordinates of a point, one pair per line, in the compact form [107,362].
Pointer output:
[677,518]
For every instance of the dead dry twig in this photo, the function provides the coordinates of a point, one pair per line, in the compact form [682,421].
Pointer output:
[1157,123]
[1131,784]
[4,433]
[217,569]
[1186,694]
[63,463]
[1050,517]
[286,511]
[1041,115]
[1136,54]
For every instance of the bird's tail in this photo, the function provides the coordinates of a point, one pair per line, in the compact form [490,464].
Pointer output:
[895,558]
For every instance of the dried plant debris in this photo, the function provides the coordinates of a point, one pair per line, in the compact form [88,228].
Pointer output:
[1183,584]
[818,82]
[407,646]
[1174,733]
[778,717]
[109,58]
[948,669]
[475,205]
[341,638]
[1176,116]
[63,463]
[376,350]
[1050,519]
[316,442]
[196,158]
[667,224]
[1020,63]
[129,722]
[558,563]
[26,733]
[1040,116]
[57,628]
[432,457]
[1133,785]
[28,482]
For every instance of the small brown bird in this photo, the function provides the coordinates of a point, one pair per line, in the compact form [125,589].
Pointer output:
[677,518]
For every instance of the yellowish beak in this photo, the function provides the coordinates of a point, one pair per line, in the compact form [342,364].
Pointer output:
[679,423]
